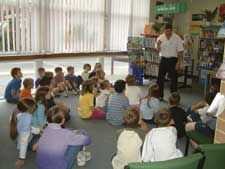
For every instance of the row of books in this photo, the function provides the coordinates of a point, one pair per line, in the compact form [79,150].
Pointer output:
[139,42]
[140,57]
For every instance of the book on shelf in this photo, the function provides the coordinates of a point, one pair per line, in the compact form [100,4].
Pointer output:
[135,43]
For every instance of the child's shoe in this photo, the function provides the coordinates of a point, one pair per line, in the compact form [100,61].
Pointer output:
[81,159]
[75,92]
[64,93]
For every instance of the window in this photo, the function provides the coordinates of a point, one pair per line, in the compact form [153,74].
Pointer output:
[37,26]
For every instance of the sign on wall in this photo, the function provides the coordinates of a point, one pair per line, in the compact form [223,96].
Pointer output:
[171,8]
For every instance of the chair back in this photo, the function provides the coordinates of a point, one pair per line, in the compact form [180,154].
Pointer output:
[194,161]
[214,156]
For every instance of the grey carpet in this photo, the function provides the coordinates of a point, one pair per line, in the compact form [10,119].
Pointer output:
[103,135]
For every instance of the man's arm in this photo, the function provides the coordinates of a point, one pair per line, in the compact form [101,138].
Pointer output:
[179,60]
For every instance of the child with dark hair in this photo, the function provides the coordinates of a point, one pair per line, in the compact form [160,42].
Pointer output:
[28,84]
[20,128]
[12,89]
[58,147]
[160,143]
[85,73]
[86,103]
[129,141]
[59,81]
[41,73]
[118,103]
[73,82]
[199,111]
[201,119]
[178,114]
[133,92]
[150,104]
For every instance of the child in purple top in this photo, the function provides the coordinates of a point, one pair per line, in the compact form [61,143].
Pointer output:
[55,142]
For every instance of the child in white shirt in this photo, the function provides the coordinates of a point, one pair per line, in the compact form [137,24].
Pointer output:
[102,98]
[133,92]
[85,73]
[129,141]
[160,143]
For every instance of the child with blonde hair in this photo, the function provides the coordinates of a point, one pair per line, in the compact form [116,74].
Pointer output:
[160,143]
[28,84]
[129,141]
[20,128]
[150,104]
[103,96]
[98,66]
[133,92]
[86,103]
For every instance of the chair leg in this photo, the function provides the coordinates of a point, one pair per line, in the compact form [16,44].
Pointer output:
[187,147]
[201,163]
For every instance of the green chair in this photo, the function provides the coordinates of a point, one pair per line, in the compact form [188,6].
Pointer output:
[194,161]
[198,137]
[214,156]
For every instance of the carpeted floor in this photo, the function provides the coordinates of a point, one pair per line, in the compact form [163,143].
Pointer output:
[103,135]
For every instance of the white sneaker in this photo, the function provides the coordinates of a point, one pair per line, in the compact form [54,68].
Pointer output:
[74,92]
[65,94]
[81,159]
[87,156]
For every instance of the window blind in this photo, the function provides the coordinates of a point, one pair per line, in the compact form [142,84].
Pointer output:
[55,26]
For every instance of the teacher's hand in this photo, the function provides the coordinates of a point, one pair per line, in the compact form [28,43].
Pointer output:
[177,66]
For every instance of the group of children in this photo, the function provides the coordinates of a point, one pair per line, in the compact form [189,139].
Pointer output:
[38,123]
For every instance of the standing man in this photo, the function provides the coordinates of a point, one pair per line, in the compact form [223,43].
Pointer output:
[170,48]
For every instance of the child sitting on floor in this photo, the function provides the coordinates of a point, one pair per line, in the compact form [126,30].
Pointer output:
[201,119]
[100,74]
[129,141]
[199,111]
[118,103]
[160,143]
[41,73]
[133,92]
[102,98]
[28,84]
[178,114]
[12,90]
[86,103]
[59,81]
[20,128]
[39,115]
[98,66]
[58,147]
[150,104]
[85,73]
[73,82]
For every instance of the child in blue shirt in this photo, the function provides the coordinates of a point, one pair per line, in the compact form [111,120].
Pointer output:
[73,82]
[20,128]
[41,73]
[118,103]
[150,104]
[12,90]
